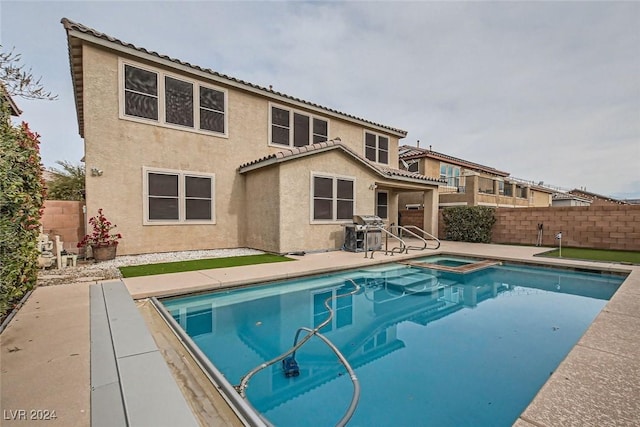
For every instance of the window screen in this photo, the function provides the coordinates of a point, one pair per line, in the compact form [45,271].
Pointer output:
[320,130]
[322,198]
[163,197]
[279,126]
[370,146]
[178,102]
[140,93]
[382,204]
[197,197]
[212,109]
[345,199]
[300,130]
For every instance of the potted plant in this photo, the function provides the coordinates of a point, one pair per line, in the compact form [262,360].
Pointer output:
[102,241]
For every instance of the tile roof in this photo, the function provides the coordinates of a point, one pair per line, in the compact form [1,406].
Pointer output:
[75,29]
[596,196]
[407,152]
[297,152]
[569,196]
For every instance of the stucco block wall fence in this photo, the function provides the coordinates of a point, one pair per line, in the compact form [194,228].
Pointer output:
[65,219]
[598,227]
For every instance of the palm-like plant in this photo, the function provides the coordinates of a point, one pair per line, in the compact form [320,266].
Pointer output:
[68,183]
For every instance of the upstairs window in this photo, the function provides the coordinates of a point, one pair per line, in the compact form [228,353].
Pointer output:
[376,148]
[295,129]
[451,174]
[333,198]
[212,110]
[178,102]
[178,197]
[173,101]
[140,93]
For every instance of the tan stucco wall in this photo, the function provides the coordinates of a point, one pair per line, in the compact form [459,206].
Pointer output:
[122,147]
[430,167]
[262,212]
[541,199]
[297,232]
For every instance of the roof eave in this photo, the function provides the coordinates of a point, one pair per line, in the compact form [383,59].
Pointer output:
[416,180]
[275,159]
[459,162]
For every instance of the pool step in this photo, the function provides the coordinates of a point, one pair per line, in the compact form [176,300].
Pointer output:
[466,268]
[414,282]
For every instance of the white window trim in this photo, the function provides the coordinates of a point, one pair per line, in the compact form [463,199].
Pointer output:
[335,178]
[413,162]
[291,113]
[377,135]
[376,208]
[161,101]
[181,197]
[452,177]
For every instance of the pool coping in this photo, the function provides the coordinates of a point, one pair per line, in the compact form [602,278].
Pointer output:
[573,394]
[130,382]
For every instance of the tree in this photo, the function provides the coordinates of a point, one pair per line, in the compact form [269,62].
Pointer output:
[19,81]
[68,183]
[21,202]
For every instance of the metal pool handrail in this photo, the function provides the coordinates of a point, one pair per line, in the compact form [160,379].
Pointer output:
[244,381]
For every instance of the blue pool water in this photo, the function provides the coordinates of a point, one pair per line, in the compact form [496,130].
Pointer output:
[446,261]
[428,347]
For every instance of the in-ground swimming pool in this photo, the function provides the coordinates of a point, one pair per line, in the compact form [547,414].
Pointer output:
[428,347]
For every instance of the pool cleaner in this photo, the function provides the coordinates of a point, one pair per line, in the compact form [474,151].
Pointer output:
[290,367]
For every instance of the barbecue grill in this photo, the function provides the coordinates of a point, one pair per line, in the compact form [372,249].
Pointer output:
[364,234]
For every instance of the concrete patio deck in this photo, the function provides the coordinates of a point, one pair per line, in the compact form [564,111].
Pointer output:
[44,352]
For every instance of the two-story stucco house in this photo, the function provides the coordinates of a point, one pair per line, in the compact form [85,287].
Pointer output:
[469,183]
[182,157]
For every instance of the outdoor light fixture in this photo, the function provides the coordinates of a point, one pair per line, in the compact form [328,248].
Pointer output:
[96,172]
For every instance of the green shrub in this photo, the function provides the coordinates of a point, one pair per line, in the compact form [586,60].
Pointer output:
[469,223]
[21,203]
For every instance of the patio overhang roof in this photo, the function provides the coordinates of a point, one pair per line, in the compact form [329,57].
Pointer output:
[384,172]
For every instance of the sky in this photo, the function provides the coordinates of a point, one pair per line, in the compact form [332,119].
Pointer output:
[547,91]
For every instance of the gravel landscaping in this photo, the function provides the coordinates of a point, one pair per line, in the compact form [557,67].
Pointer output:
[90,271]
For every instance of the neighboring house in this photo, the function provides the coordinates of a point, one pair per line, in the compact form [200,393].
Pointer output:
[468,183]
[597,199]
[567,199]
[182,157]
[6,99]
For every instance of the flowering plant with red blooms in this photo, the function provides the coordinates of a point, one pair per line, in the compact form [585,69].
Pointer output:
[101,235]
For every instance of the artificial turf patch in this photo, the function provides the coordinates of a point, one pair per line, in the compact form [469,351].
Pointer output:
[199,264]
[632,257]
